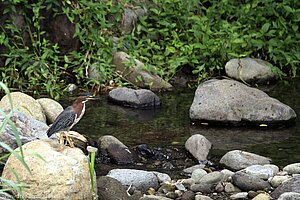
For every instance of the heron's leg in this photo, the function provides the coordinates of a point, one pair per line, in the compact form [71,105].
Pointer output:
[69,140]
[61,140]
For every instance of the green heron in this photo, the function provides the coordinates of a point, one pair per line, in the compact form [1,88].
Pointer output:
[68,118]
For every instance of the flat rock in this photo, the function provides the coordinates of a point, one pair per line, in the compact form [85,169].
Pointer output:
[25,104]
[63,174]
[229,102]
[292,168]
[115,149]
[29,129]
[292,184]
[135,72]
[141,180]
[248,182]
[249,70]
[198,146]
[51,108]
[142,99]
[212,179]
[237,159]
[239,195]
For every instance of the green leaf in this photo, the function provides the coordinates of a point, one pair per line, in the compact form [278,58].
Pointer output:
[265,28]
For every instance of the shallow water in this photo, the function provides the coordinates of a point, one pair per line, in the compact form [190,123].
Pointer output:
[170,126]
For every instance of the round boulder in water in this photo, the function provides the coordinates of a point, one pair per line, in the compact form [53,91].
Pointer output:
[229,102]
[143,99]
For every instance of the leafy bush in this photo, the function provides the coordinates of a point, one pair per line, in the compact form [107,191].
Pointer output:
[206,35]
[200,35]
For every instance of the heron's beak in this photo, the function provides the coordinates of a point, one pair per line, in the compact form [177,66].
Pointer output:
[91,98]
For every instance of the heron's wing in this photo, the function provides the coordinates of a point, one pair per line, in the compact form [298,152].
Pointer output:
[63,121]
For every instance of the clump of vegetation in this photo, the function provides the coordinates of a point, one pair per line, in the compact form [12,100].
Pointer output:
[202,36]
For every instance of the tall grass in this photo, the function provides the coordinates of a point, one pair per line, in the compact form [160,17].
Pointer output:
[19,154]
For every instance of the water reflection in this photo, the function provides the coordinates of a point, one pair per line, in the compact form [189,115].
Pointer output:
[170,125]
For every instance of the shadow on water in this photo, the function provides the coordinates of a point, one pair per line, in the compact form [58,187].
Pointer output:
[170,125]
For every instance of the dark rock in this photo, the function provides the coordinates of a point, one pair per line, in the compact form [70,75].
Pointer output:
[188,195]
[248,182]
[61,31]
[201,187]
[110,189]
[116,150]
[148,152]
[142,99]
[130,18]
[291,185]
[229,102]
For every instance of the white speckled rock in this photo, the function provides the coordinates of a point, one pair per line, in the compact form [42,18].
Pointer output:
[63,175]
[264,172]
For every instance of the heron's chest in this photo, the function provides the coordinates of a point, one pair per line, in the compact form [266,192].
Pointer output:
[80,114]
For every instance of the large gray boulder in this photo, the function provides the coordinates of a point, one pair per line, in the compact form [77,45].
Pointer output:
[230,102]
[29,129]
[249,70]
[143,99]
[134,71]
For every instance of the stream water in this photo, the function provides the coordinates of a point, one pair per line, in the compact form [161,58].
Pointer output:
[170,126]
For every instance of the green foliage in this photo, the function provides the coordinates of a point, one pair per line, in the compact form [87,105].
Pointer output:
[39,67]
[206,35]
[174,34]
